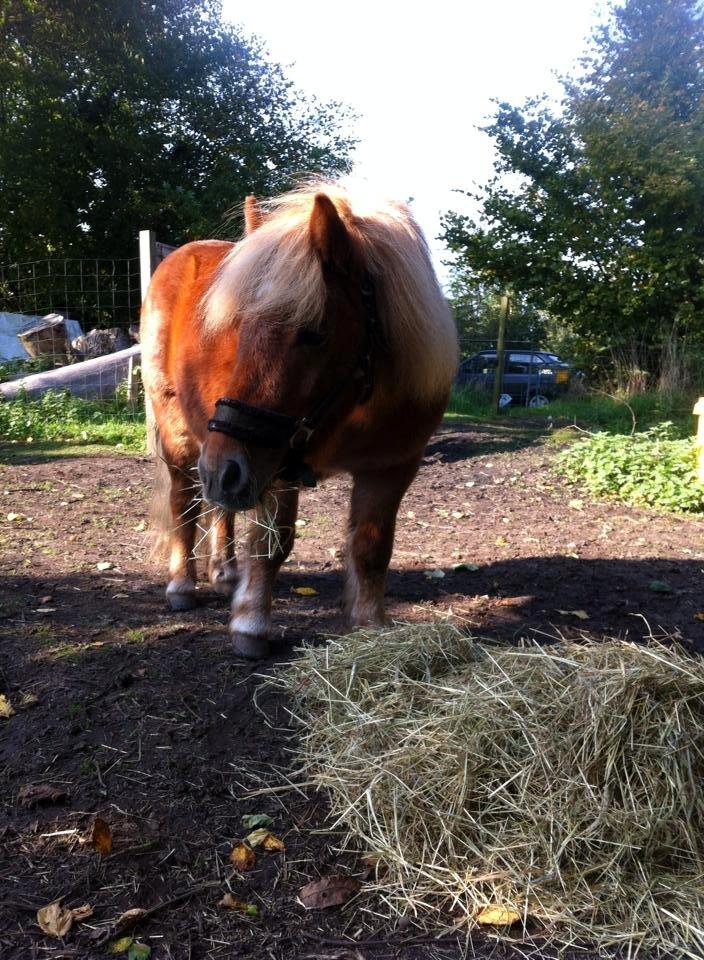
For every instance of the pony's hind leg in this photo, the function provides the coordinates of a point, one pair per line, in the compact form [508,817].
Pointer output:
[222,566]
[376,497]
[269,543]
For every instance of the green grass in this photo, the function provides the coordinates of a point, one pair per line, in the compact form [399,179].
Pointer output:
[594,411]
[61,419]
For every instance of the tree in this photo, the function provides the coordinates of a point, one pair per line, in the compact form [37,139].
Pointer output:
[596,210]
[121,114]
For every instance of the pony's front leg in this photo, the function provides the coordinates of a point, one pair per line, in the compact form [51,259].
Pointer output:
[185,510]
[376,497]
[270,541]
[222,566]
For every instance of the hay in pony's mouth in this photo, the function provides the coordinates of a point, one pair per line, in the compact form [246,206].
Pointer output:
[561,784]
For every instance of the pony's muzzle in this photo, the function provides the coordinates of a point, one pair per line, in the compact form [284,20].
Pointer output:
[229,483]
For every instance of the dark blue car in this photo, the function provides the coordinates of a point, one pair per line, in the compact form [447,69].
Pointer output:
[531,378]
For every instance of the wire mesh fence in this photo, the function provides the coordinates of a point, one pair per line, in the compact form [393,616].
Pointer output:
[95,292]
[69,361]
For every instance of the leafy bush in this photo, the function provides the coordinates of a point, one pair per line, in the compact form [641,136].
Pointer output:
[653,468]
[23,367]
[59,416]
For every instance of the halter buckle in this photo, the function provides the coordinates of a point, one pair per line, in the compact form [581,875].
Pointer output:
[300,436]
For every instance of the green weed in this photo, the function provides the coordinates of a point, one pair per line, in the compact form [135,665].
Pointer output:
[59,416]
[655,468]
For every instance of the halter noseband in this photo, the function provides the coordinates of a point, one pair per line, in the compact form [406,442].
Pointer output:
[258,426]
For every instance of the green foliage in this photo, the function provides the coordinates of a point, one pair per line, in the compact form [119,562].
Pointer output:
[593,411]
[58,416]
[653,468]
[120,114]
[595,210]
[21,367]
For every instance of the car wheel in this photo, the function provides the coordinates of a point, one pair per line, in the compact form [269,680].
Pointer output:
[538,400]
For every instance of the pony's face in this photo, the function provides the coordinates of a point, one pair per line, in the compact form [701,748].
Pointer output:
[289,369]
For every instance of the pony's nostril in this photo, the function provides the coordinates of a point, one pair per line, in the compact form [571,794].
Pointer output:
[231,478]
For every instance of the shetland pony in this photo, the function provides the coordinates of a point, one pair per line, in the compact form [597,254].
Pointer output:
[318,344]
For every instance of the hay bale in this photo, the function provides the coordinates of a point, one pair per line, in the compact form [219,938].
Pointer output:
[561,782]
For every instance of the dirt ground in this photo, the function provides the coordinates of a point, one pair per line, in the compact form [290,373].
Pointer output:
[145,718]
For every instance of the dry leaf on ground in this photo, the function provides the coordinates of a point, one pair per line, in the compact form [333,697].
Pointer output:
[5,707]
[231,903]
[328,892]
[580,614]
[305,591]
[101,836]
[243,857]
[35,794]
[264,838]
[56,921]
[497,916]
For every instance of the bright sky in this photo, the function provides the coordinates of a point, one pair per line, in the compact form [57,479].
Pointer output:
[422,78]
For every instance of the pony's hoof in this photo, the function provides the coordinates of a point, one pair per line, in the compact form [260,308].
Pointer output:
[251,646]
[224,580]
[182,601]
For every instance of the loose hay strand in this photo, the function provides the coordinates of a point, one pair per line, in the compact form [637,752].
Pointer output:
[563,782]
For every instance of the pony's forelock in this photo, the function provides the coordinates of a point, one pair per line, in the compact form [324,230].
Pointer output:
[275,273]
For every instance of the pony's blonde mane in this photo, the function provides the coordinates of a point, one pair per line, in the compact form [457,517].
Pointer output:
[274,272]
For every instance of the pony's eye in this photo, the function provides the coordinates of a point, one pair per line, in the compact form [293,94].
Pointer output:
[308,337]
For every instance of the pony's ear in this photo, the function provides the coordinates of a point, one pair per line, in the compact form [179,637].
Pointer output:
[329,235]
[252,215]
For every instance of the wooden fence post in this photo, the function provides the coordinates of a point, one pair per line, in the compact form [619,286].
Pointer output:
[500,352]
[147,266]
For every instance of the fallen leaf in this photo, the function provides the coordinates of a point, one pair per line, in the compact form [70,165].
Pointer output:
[243,857]
[252,820]
[305,591]
[660,586]
[461,567]
[264,838]
[129,917]
[56,921]
[434,574]
[6,710]
[15,517]
[120,946]
[101,836]
[496,915]
[105,565]
[699,616]
[35,794]
[501,542]
[273,844]
[457,514]
[580,614]
[576,504]
[328,892]
[139,951]
[233,904]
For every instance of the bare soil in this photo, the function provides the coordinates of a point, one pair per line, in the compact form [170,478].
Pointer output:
[146,719]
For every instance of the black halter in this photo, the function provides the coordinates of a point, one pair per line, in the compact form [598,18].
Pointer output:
[258,426]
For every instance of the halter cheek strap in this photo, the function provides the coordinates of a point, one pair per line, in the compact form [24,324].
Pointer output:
[260,427]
